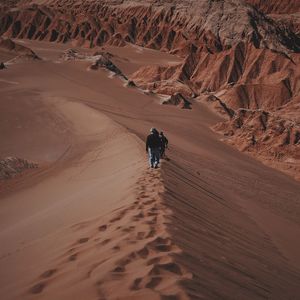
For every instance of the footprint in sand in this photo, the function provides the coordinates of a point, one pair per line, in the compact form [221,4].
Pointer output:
[153,261]
[106,241]
[143,253]
[73,257]
[48,273]
[128,229]
[119,269]
[136,284]
[161,244]
[163,248]
[153,282]
[70,250]
[115,220]
[149,202]
[132,255]
[37,288]
[102,227]
[124,261]
[138,216]
[83,240]
[116,248]
[152,213]
[152,221]
[119,216]
[171,267]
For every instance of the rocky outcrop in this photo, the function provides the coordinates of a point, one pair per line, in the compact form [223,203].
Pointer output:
[20,52]
[253,78]
[178,100]
[273,137]
[286,12]
[225,43]
[102,61]
[99,60]
[161,79]
[11,166]
[180,26]
[71,54]
[276,7]
[217,105]
[130,83]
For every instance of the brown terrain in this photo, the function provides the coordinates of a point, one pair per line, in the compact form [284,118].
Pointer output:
[81,84]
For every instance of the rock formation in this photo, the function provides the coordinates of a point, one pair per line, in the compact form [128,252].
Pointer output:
[100,60]
[103,62]
[178,100]
[270,136]
[11,166]
[19,52]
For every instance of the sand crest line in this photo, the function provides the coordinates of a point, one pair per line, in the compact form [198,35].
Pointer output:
[127,252]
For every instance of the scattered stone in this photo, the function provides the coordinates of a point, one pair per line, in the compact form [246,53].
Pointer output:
[104,62]
[11,166]
[130,83]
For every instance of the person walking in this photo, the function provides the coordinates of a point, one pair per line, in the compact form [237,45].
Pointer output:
[153,147]
[164,144]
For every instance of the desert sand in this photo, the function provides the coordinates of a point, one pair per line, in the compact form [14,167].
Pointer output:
[93,221]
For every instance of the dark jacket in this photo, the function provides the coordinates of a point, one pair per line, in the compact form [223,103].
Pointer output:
[153,141]
[164,141]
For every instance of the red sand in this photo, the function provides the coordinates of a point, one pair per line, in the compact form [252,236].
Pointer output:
[95,223]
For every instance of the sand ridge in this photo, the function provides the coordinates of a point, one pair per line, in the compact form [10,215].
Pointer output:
[131,250]
[104,225]
[107,250]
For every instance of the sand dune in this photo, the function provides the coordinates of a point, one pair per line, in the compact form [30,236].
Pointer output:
[95,223]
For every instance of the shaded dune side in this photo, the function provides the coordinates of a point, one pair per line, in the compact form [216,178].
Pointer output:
[229,256]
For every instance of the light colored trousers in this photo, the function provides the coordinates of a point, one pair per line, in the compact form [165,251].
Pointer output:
[154,155]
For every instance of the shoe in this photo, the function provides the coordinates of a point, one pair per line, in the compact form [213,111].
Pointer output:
[156,166]
[152,166]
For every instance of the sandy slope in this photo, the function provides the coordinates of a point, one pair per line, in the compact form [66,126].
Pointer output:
[94,166]
[98,225]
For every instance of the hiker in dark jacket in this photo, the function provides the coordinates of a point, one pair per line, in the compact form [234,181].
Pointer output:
[153,147]
[164,144]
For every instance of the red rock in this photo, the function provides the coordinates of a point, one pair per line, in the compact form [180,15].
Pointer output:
[178,100]
[19,50]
